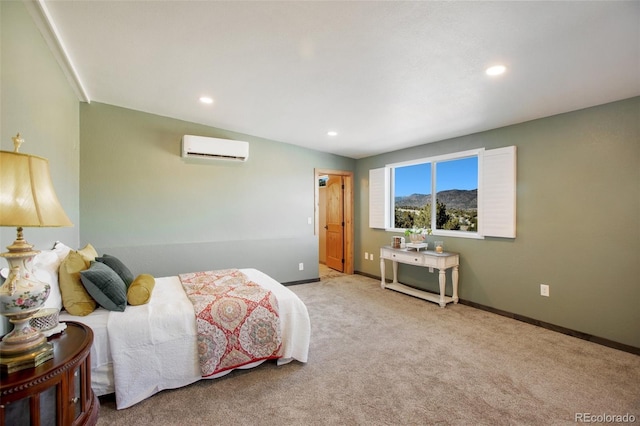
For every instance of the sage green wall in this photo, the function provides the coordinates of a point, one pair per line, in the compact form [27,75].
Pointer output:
[578,228]
[165,215]
[38,102]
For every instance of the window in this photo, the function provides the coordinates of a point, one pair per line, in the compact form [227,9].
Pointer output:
[465,194]
[438,193]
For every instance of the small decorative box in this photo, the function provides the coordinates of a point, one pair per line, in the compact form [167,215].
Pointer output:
[45,319]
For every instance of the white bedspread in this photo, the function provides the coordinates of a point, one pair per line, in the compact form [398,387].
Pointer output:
[154,346]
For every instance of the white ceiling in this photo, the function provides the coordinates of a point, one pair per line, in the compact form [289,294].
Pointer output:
[384,75]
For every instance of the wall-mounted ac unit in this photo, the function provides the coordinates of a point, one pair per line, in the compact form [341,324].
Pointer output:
[214,148]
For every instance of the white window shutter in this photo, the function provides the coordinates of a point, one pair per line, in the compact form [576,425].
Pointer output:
[499,192]
[378,196]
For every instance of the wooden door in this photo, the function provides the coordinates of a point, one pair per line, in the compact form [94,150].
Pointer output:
[335,222]
[322,223]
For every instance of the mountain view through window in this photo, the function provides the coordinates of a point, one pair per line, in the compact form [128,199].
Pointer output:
[455,184]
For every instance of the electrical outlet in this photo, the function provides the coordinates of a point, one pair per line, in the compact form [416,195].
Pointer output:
[371,256]
[544,290]
[366,255]
[301,266]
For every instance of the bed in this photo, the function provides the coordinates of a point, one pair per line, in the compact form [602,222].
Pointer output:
[154,346]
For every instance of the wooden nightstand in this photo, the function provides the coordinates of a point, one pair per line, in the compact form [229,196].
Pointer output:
[56,392]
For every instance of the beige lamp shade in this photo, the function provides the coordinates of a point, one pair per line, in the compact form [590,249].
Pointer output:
[27,197]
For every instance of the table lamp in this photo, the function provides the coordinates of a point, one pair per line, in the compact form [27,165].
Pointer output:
[27,199]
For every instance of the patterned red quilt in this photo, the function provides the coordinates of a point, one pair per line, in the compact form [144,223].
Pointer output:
[237,320]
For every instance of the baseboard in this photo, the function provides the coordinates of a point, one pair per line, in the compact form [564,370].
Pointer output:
[548,326]
[312,280]
[368,275]
[557,328]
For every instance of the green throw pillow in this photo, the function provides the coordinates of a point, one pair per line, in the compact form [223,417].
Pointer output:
[105,286]
[119,267]
[140,289]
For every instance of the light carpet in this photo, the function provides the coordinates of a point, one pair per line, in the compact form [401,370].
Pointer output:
[378,357]
[328,273]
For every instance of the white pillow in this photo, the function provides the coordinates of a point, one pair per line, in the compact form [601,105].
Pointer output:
[61,250]
[45,269]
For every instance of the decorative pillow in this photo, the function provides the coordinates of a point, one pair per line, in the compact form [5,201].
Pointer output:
[61,250]
[75,298]
[140,289]
[120,268]
[105,286]
[45,269]
[88,252]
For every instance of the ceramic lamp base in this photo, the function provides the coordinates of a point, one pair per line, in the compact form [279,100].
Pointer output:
[23,338]
[21,297]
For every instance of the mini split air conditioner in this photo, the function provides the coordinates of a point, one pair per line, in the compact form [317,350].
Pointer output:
[214,148]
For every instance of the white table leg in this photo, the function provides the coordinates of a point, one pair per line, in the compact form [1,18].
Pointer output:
[395,272]
[454,278]
[382,267]
[442,279]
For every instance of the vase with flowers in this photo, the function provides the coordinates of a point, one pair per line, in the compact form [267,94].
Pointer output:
[417,235]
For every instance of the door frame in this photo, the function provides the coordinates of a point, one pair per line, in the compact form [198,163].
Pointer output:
[348,213]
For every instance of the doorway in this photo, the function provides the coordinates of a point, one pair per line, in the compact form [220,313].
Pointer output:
[334,218]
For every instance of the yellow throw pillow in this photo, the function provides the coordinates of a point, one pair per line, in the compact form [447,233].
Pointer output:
[139,291]
[75,298]
[88,253]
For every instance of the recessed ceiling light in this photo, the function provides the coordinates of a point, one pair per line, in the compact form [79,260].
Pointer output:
[496,70]
[206,100]
[332,133]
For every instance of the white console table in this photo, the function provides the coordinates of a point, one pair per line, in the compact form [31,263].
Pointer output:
[424,258]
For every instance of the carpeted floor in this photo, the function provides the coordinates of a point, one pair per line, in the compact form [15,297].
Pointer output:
[382,358]
[328,273]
